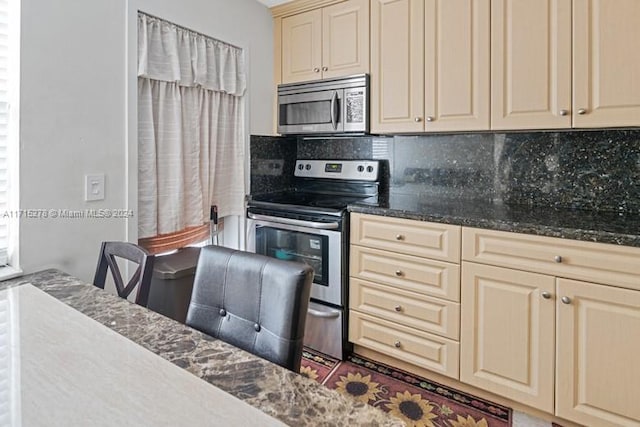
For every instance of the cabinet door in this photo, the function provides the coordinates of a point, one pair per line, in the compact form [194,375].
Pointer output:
[302,47]
[345,35]
[507,333]
[598,374]
[397,66]
[606,63]
[456,65]
[531,64]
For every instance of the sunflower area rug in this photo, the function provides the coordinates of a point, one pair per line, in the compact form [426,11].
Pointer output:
[417,401]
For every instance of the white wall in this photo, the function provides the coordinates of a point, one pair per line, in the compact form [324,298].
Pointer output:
[78,111]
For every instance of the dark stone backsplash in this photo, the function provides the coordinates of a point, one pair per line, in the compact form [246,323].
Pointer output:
[591,170]
[598,170]
[272,162]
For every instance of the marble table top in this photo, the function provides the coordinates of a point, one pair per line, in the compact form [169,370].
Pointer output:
[218,371]
[65,369]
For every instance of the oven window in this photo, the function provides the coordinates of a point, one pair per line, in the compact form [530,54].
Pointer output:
[311,249]
[305,113]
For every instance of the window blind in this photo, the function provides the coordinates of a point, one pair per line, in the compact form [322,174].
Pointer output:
[5,52]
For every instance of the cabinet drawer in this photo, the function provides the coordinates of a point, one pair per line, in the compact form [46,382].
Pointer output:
[410,345]
[406,308]
[411,237]
[406,272]
[595,262]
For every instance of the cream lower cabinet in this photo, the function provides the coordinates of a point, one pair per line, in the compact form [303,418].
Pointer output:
[507,337]
[598,343]
[404,291]
[563,346]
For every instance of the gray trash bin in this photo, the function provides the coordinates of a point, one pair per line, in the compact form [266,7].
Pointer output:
[172,283]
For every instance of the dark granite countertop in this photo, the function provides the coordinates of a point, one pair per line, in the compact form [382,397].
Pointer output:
[289,397]
[604,227]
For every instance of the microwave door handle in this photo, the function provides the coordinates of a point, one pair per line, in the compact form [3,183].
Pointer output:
[334,110]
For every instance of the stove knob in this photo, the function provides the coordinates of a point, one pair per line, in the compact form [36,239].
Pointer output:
[369,169]
[360,168]
[300,166]
[308,166]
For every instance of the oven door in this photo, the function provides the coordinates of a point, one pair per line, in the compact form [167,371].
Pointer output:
[311,112]
[319,248]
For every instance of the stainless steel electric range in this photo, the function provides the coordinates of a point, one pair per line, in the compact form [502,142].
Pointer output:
[310,224]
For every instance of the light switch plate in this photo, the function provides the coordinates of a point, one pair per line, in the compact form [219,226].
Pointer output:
[94,187]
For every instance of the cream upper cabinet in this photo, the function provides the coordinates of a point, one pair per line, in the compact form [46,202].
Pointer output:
[456,58]
[429,65]
[345,47]
[328,42]
[397,66]
[530,64]
[302,47]
[507,336]
[534,83]
[598,374]
[606,63]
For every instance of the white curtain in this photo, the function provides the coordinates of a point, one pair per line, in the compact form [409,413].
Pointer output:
[190,128]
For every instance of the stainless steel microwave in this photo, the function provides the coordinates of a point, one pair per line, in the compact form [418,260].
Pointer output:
[329,106]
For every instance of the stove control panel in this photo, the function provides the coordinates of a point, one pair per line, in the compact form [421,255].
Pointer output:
[361,170]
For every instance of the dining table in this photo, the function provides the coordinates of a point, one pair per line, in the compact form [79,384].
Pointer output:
[72,354]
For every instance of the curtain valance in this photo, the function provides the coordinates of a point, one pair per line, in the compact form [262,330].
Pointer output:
[167,52]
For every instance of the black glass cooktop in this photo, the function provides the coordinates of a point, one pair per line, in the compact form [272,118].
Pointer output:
[309,199]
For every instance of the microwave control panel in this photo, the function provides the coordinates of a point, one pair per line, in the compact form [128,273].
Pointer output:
[355,106]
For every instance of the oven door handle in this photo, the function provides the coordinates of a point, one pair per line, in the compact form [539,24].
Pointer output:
[322,314]
[299,223]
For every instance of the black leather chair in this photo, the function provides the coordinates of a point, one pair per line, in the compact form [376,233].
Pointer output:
[141,278]
[253,302]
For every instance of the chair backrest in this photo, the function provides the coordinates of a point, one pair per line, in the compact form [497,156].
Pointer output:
[252,301]
[141,278]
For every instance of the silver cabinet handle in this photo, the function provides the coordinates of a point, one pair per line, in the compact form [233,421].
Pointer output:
[546,295]
[582,111]
[289,221]
[430,118]
[399,237]
[417,119]
[316,70]
[557,258]
[565,300]
[397,344]
[563,112]
[322,314]
[399,273]
[398,308]
[325,68]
